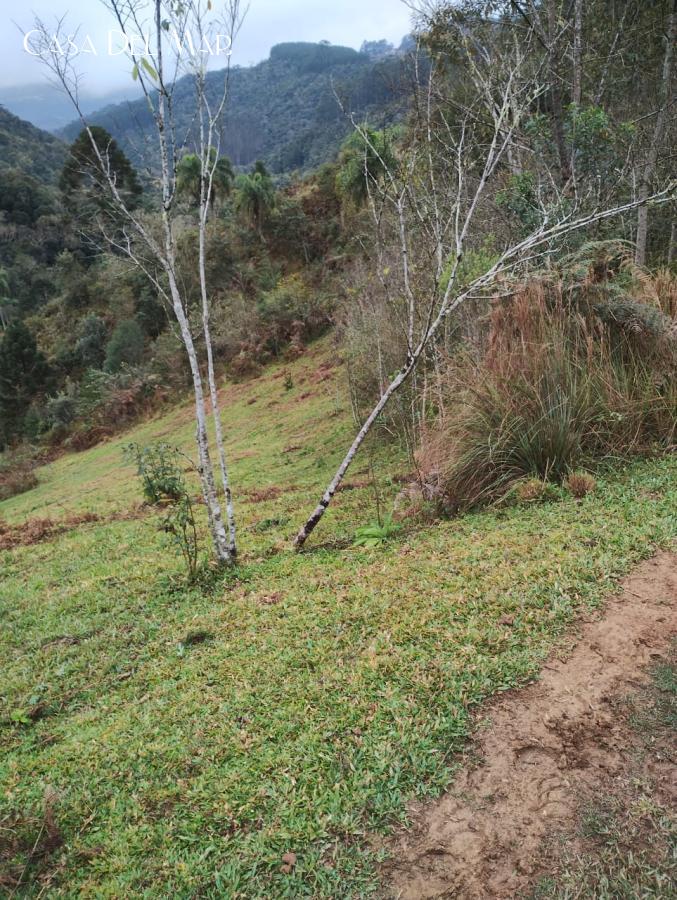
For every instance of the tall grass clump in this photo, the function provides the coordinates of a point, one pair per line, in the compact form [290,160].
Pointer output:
[578,368]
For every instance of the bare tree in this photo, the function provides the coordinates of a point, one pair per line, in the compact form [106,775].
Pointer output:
[210,117]
[179,34]
[427,203]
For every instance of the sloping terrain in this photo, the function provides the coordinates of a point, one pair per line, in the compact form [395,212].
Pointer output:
[550,750]
[284,111]
[246,737]
[25,147]
[47,106]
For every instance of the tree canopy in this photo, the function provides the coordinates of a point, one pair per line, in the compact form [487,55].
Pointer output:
[24,373]
[82,174]
[188,176]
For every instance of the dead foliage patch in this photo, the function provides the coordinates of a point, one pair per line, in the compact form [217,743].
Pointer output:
[35,531]
[324,372]
[90,437]
[260,495]
[17,480]
[353,485]
[27,845]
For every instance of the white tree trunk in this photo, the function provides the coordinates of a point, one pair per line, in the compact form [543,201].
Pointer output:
[214,514]
[214,395]
[218,532]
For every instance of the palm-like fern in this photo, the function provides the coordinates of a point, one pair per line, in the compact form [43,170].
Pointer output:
[189,173]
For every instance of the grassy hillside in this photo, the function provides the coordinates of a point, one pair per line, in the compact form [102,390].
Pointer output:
[243,740]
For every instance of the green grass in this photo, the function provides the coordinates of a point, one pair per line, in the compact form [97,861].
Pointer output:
[323,690]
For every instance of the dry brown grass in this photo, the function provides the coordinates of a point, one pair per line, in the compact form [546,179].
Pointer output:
[572,372]
[530,490]
[17,480]
[580,484]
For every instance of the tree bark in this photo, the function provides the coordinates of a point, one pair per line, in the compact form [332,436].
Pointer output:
[578,53]
[672,247]
[309,526]
[649,169]
[556,94]
[214,399]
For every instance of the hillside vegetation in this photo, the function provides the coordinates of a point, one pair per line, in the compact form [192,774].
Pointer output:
[245,739]
[285,111]
[296,472]
[28,149]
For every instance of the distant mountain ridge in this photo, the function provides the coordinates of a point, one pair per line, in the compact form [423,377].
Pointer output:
[47,107]
[283,110]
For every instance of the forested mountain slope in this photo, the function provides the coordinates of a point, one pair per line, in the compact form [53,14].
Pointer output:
[25,147]
[286,110]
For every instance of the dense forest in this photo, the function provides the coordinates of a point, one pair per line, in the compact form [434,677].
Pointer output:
[29,149]
[292,111]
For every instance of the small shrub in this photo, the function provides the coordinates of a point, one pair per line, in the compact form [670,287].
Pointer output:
[157,467]
[532,490]
[60,411]
[580,484]
[160,468]
[376,534]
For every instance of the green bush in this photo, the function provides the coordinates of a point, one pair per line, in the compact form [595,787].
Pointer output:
[125,347]
[90,348]
[376,534]
[161,470]
[292,311]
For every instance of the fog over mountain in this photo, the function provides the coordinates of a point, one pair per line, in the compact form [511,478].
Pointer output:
[46,106]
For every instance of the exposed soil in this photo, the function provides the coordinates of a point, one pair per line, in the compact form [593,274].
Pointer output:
[547,750]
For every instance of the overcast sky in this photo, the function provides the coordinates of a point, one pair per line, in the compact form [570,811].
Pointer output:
[268,22]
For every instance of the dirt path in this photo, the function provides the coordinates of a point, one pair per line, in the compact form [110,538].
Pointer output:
[547,748]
